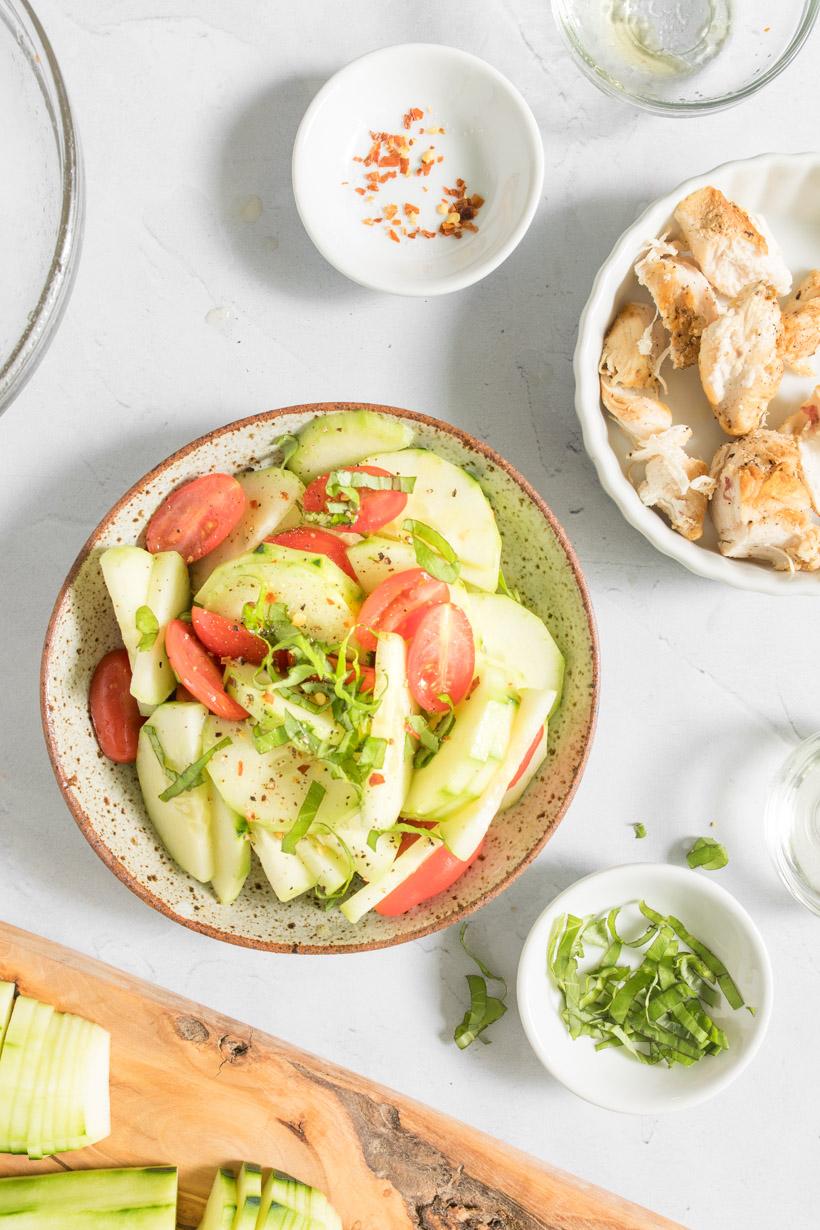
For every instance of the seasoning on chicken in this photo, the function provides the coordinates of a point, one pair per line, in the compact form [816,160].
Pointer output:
[801,325]
[740,361]
[675,483]
[804,425]
[682,295]
[629,365]
[733,249]
[762,504]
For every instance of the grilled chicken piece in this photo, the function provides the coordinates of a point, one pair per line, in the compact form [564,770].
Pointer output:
[762,504]
[682,295]
[733,249]
[740,361]
[629,372]
[676,484]
[804,425]
[801,325]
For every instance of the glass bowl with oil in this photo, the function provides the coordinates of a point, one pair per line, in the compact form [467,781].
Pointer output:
[793,823]
[684,57]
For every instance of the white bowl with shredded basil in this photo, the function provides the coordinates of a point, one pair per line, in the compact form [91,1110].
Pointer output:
[645,988]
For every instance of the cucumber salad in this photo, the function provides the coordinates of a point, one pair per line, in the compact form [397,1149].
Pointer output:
[322,662]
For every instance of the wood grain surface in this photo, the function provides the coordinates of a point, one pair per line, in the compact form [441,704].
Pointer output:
[197,1089]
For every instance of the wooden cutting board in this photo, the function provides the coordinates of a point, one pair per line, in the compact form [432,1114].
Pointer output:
[196,1089]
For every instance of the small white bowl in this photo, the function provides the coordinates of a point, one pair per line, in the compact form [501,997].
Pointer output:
[611,1078]
[491,141]
[785,188]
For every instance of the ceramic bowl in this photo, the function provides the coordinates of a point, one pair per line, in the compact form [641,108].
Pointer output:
[491,141]
[610,1078]
[105,799]
[785,188]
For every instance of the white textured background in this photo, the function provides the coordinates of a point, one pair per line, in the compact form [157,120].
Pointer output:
[186,114]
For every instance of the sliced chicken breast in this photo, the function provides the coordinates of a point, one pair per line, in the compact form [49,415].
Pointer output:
[740,360]
[676,484]
[762,504]
[804,425]
[734,249]
[629,371]
[801,325]
[682,295]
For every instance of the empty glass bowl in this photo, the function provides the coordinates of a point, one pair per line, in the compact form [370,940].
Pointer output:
[793,823]
[41,205]
[684,57]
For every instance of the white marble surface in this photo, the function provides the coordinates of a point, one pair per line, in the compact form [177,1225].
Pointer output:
[185,316]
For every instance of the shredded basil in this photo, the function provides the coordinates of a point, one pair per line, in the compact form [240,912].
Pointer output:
[639,829]
[433,552]
[347,480]
[189,778]
[402,826]
[147,625]
[708,854]
[307,814]
[484,1009]
[656,1011]
[287,446]
[428,736]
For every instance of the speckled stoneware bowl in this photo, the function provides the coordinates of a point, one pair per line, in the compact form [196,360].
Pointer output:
[105,800]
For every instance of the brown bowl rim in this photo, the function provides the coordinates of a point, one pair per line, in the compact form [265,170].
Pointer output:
[84,820]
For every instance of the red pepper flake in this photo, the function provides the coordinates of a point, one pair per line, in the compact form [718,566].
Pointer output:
[376,779]
[392,235]
[390,211]
[410,209]
[361,191]
[428,234]
[240,768]
[413,114]
[461,215]
[390,160]
[386,176]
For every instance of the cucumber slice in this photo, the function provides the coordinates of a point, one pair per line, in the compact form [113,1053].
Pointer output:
[220,1210]
[35,1128]
[12,1061]
[271,507]
[332,441]
[169,593]
[94,1115]
[514,793]
[452,502]
[232,850]
[325,860]
[183,823]
[27,1078]
[286,1192]
[127,1199]
[287,874]
[467,760]
[369,864]
[366,898]
[278,1217]
[514,640]
[265,705]
[463,830]
[56,1119]
[248,1196]
[375,559]
[7,990]
[383,798]
[127,573]
[323,599]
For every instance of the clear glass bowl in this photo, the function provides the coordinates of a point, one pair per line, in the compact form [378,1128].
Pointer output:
[793,823]
[684,57]
[41,205]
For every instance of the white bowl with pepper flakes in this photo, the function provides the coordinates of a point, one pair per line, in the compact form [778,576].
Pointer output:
[417,169]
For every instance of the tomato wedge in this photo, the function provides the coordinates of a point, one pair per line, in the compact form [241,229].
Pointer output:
[318,542]
[441,660]
[397,605]
[227,638]
[197,517]
[439,872]
[376,508]
[197,671]
[528,755]
[115,714]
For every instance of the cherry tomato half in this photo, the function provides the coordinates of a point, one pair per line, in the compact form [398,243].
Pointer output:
[437,873]
[198,672]
[318,542]
[196,518]
[525,763]
[227,638]
[376,508]
[441,659]
[114,712]
[397,605]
